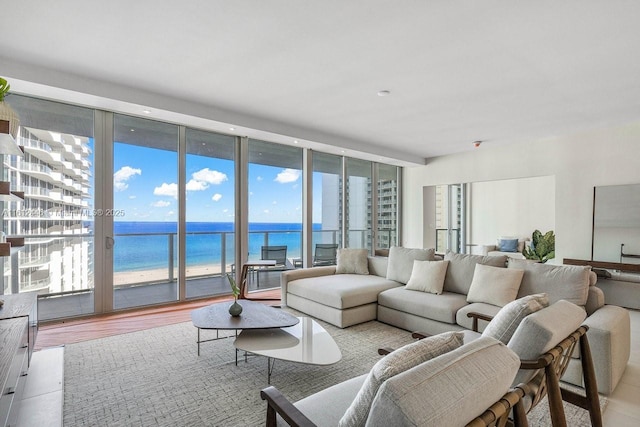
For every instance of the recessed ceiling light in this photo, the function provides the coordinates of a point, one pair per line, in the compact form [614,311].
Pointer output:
[384,93]
[295,141]
[133,130]
[232,128]
[146,111]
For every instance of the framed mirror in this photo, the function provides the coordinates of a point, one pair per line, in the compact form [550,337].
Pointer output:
[616,224]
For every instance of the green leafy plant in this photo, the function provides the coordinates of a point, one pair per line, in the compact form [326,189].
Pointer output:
[543,246]
[4,88]
[235,290]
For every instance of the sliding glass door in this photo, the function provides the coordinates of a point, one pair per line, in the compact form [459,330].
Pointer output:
[56,216]
[210,208]
[145,212]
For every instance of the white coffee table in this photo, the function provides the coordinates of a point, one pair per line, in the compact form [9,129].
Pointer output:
[307,342]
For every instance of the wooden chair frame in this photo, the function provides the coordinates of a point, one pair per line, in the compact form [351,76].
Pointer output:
[552,366]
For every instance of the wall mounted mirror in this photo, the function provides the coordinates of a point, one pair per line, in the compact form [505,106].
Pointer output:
[616,224]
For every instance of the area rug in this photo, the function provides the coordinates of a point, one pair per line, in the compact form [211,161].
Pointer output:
[155,378]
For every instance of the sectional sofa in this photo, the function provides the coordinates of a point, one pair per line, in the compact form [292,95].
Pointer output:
[471,283]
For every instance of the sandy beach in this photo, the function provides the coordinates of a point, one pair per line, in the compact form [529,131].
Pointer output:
[161,274]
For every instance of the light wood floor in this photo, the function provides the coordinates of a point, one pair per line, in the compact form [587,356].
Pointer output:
[100,326]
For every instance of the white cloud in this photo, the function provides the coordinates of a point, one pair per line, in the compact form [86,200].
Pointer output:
[171,213]
[274,202]
[287,176]
[266,211]
[132,197]
[209,176]
[225,210]
[166,190]
[195,185]
[161,204]
[123,175]
[259,178]
[216,197]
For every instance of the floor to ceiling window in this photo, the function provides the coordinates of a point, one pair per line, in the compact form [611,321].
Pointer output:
[145,212]
[168,225]
[358,202]
[56,217]
[210,212]
[275,208]
[327,206]
[387,207]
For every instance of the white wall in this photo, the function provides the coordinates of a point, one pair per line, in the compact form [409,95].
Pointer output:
[579,162]
[511,207]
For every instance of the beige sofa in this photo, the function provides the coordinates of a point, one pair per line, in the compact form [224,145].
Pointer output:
[346,299]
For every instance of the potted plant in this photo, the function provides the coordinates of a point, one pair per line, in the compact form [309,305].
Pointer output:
[235,309]
[6,112]
[543,247]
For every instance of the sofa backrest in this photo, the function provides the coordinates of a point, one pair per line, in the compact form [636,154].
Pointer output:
[462,267]
[378,265]
[450,389]
[559,282]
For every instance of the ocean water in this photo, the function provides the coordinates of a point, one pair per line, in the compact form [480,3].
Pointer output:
[149,245]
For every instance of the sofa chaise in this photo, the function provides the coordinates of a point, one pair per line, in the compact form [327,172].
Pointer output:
[345,299]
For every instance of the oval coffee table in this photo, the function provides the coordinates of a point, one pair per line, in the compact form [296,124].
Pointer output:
[254,315]
[307,342]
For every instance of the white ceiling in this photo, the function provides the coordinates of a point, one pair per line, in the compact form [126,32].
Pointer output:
[458,71]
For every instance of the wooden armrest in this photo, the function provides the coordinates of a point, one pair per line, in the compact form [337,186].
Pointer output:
[475,315]
[277,403]
[383,351]
[420,335]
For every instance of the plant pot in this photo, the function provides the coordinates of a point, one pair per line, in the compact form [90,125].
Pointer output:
[7,113]
[235,309]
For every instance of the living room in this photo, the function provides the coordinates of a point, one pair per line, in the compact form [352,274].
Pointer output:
[547,100]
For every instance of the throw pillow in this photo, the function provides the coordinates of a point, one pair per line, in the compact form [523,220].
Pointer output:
[462,267]
[352,261]
[398,361]
[494,285]
[428,276]
[560,282]
[508,245]
[401,262]
[506,321]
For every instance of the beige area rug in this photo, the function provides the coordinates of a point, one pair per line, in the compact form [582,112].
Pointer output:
[155,378]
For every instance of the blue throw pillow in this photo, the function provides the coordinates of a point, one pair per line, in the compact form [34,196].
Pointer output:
[508,245]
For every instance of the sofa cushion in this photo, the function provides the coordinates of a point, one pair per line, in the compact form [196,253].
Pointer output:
[560,282]
[508,245]
[494,285]
[428,276]
[506,321]
[541,331]
[352,261]
[442,308]
[401,262]
[393,364]
[341,290]
[337,397]
[461,269]
[449,390]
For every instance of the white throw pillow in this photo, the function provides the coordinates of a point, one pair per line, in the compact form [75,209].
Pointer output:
[428,276]
[401,262]
[494,285]
[398,361]
[352,261]
[506,321]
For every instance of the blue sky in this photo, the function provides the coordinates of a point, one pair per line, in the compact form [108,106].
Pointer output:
[145,188]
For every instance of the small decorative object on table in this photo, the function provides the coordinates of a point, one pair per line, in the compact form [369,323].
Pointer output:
[235,309]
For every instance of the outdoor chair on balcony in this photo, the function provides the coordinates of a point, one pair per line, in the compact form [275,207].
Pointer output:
[274,253]
[325,254]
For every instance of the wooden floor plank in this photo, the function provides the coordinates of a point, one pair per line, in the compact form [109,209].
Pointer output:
[100,326]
